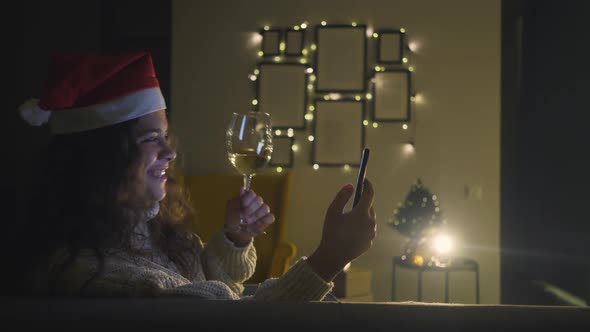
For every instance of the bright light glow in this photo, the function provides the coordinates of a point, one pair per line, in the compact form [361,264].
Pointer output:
[295,148]
[347,167]
[310,138]
[357,97]
[256,71]
[282,46]
[375,35]
[266,27]
[413,46]
[411,69]
[405,126]
[254,101]
[279,169]
[405,60]
[310,86]
[277,58]
[409,148]
[316,166]
[296,27]
[418,98]
[290,132]
[309,70]
[369,31]
[252,77]
[312,78]
[324,23]
[304,51]
[313,47]
[377,68]
[260,53]
[311,108]
[335,96]
[365,122]
[256,39]
[327,97]
[277,132]
[303,25]
[443,244]
[402,30]
[346,267]
[354,24]
[308,117]
[303,60]
[375,125]
[369,96]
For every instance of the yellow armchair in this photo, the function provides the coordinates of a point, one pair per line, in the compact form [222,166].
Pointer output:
[209,194]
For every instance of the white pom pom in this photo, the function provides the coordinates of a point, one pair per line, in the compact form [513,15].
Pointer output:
[32,113]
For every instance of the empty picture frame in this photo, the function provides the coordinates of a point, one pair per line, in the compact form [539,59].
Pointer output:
[281,91]
[341,58]
[391,96]
[271,42]
[339,134]
[282,152]
[295,39]
[390,46]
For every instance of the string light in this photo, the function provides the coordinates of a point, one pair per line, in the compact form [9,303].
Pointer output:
[312,78]
[303,25]
[277,58]
[279,169]
[278,132]
[354,24]
[304,51]
[357,97]
[303,60]
[311,108]
[310,86]
[296,28]
[256,71]
[310,138]
[411,69]
[369,96]
[282,46]
[375,125]
[295,147]
[313,47]
[316,166]
[346,167]
[324,23]
[254,102]
[375,35]
[327,97]
[405,60]
[260,53]
[266,27]
[309,70]
[290,132]
[365,122]
[252,77]
[402,30]
[405,126]
[308,117]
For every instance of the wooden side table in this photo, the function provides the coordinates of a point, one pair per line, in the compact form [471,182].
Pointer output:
[457,264]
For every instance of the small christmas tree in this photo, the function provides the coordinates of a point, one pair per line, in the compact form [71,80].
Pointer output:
[417,217]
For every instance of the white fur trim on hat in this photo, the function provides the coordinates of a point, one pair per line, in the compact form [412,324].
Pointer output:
[32,113]
[112,112]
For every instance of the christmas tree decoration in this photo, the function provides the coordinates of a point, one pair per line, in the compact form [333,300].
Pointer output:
[418,217]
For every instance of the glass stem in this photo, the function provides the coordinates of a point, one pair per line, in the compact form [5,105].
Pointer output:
[247,180]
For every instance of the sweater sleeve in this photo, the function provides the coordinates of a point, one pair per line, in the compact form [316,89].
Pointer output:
[226,262]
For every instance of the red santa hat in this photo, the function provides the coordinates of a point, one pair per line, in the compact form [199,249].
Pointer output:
[86,92]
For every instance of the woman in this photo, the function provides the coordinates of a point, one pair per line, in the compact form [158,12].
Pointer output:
[111,220]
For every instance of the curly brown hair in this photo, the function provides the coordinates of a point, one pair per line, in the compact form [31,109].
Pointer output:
[77,206]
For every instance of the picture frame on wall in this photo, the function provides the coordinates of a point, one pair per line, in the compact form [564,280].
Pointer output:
[271,42]
[340,58]
[282,154]
[281,91]
[295,41]
[339,133]
[391,46]
[392,92]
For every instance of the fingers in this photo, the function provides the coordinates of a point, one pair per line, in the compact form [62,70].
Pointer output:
[342,197]
[366,200]
[262,211]
[251,202]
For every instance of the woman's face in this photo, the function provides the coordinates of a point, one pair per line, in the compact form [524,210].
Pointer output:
[148,184]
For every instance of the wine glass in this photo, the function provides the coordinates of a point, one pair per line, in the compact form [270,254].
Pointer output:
[248,142]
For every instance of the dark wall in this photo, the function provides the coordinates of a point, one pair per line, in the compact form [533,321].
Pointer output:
[108,27]
[545,178]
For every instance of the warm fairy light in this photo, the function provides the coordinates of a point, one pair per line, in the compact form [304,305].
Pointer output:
[310,86]
[277,132]
[304,51]
[413,46]
[260,53]
[290,132]
[443,244]
[309,70]
[412,98]
[312,78]
[409,147]
[254,101]
[303,25]
[277,58]
[369,31]
[303,60]
[357,97]
[324,23]
[256,71]
[295,148]
[327,97]
[279,169]
[296,28]
[266,27]
[308,117]
[375,125]
[405,126]
[256,38]
[313,47]
[252,77]
[311,108]
[346,267]
[347,167]
[375,35]
[316,166]
[310,138]
[354,24]
[405,60]
[365,122]
[418,98]
[402,30]
[335,96]
[282,46]
[377,68]
[369,96]
[411,69]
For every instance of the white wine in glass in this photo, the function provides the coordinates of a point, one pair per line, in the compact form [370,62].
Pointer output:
[248,142]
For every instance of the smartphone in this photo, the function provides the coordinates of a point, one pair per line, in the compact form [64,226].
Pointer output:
[361,176]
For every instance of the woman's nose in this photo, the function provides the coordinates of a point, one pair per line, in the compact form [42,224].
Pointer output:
[168,153]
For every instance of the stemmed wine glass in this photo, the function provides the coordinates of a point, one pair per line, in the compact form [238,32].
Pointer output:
[248,142]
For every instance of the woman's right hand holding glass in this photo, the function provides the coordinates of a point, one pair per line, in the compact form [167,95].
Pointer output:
[345,236]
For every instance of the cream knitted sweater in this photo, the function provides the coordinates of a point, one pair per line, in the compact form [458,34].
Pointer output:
[220,272]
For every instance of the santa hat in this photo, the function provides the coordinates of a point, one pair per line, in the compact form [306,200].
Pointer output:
[85,92]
